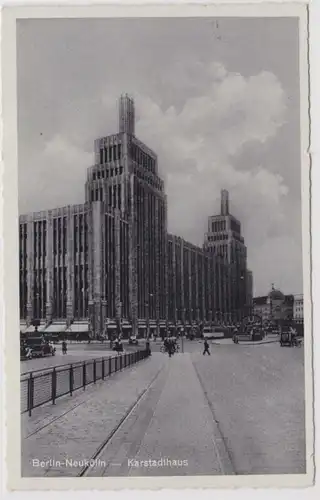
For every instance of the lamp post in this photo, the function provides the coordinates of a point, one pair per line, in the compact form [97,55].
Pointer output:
[148,315]
[182,331]
[120,320]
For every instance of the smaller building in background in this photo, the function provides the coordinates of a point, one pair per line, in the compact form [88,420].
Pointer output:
[275,306]
[261,307]
[298,308]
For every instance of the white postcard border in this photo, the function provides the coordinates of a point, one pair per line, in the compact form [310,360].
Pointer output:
[10,246]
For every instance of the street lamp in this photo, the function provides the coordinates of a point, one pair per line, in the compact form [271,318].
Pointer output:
[148,315]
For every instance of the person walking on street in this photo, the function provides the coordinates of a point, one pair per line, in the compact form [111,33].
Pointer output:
[148,347]
[171,348]
[206,348]
[64,347]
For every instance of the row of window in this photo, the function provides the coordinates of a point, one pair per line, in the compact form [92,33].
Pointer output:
[141,158]
[218,237]
[113,195]
[60,236]
[111,153]
[107,173]
[157,184]
[217,250]
[39,239]
[218,226]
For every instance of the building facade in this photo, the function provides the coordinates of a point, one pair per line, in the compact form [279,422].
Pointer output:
[249,290]
[111,261]
[197,285]
[274,307]
[224,240]
[298,308]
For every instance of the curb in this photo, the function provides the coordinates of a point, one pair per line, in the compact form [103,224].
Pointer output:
[250,343]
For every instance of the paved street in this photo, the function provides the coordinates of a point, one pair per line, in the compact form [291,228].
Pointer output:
[238,411]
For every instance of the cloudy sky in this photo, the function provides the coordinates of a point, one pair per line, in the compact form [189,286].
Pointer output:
[218,100]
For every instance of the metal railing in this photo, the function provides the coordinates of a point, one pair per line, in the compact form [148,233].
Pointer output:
[42,386]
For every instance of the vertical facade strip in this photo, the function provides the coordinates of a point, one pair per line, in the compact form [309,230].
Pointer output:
[49,267]
[30,269]
[70,265]
[118,303]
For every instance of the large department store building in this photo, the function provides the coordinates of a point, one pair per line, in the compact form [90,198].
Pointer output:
[110,262]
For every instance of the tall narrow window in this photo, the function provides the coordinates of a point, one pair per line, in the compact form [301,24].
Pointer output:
[110,196]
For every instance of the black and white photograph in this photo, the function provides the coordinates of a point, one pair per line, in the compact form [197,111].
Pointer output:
[163,295]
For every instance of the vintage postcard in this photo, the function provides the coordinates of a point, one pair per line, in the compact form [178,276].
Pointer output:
[157,247]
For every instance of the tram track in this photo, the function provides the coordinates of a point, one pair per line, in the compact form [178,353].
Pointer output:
[224,456]
[102,448]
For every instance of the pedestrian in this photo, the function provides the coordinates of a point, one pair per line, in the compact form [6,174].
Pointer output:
[148,348]
[171,348]
[64,347]
[206,348]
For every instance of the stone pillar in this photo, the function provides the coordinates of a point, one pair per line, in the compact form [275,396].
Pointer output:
[30,269]
[97,267]
[211,286]
[49,267]
[165,246]
[190,313]
[158,257]
[70,265]
[197,287]
[183,309]
[132,259]
[146,259]
[104,317]
[203,304]
[117,266]
[174,281]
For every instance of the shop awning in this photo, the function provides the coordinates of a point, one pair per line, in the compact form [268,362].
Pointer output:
[56,328]
[31,329]
[78,328]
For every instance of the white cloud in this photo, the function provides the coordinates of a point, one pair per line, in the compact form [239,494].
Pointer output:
[197,143]
[59,174]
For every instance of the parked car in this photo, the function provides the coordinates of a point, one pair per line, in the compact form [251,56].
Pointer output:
[133,340]
[40,347]
[117,346]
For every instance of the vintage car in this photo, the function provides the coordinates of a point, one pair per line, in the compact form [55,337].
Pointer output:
[133,340]
[117,346]
[289,338]
[40,347]
[25,351]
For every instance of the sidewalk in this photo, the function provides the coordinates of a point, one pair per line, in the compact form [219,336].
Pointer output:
[76,425]
[170,431]
[182,429]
